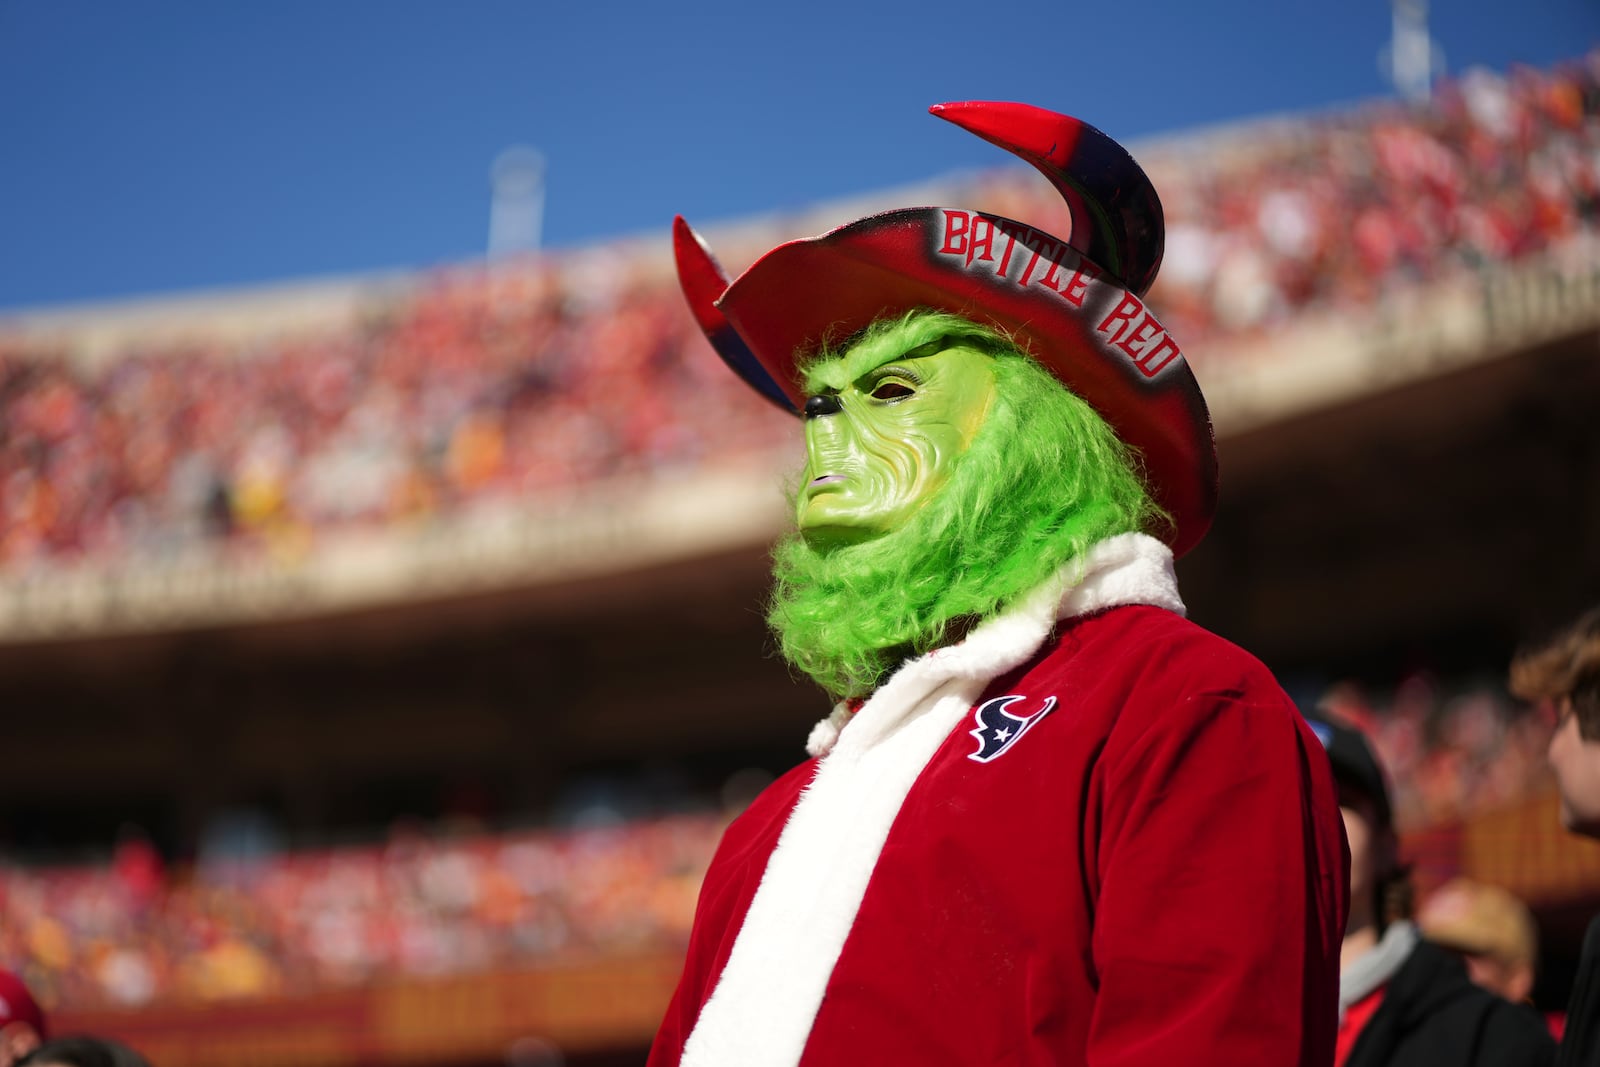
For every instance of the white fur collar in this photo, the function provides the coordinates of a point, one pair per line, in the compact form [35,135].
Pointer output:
[1377,965]
[1130,568]
[760,1013]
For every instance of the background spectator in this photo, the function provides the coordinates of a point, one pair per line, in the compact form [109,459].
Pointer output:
[22,1025]
[1564,674]
[1403,1000]
[1491,929]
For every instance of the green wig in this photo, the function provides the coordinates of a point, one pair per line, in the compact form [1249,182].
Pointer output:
[1044,479]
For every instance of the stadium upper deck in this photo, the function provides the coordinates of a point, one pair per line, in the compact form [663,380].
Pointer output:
[477,426]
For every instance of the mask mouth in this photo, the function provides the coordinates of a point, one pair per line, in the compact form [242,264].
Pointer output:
[824,479]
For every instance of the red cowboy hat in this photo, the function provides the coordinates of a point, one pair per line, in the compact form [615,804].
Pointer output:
[1074,305]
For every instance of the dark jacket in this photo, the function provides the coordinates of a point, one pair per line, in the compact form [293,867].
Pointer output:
[1433,1016]
[1580,1045]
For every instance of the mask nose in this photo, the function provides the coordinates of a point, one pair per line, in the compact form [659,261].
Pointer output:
[822,404]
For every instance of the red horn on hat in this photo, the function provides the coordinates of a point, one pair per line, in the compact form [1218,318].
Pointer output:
[703,285]
[1116,215]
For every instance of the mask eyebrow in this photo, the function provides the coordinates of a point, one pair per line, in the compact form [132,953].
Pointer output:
[832,375]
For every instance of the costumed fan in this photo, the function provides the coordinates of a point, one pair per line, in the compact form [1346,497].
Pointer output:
[1049,820]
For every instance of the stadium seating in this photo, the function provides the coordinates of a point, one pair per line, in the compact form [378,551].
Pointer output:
[129,933]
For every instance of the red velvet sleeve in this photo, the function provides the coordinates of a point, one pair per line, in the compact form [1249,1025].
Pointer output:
[1221,903]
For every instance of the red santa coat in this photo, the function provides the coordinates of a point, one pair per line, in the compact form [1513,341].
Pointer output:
[1141,862]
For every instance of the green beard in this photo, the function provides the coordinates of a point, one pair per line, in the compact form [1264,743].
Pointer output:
[1044,479]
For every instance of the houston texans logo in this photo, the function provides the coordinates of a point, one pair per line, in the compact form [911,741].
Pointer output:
[997,729]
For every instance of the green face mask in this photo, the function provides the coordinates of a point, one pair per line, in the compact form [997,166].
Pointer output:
[880,446]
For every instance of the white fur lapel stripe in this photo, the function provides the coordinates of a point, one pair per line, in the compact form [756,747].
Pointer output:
[761,1011]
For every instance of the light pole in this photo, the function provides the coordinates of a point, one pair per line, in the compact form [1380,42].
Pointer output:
[1411,59]
[516,211]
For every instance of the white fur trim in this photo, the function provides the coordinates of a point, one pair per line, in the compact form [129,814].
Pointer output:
[760,1013]
[1130,568]
[826,732]
[1127,569]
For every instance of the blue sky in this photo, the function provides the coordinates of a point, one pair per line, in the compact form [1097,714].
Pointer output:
[150,147]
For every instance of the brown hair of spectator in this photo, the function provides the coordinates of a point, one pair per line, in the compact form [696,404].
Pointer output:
[1565,667]
[1397,896]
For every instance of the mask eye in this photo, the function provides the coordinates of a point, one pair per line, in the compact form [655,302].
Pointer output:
[891,390]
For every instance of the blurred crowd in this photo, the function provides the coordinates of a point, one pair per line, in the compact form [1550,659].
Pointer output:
[1451,750]
[479,386]
[488,384]
[133,932]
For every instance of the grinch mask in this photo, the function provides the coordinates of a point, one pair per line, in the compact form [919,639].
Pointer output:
[881,439]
